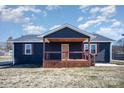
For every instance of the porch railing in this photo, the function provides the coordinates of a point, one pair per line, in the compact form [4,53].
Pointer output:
[49,53]
[84,55]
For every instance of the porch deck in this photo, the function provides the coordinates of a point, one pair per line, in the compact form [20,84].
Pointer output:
[66,63]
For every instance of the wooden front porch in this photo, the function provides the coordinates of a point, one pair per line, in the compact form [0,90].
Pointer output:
[65,60]
[60,63]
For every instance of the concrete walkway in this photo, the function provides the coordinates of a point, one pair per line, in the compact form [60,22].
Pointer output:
[118,60]
[106,64]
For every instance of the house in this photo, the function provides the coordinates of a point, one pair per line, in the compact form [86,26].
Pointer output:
[65,46]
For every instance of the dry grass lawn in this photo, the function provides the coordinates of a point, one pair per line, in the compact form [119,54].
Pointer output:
[4,58]
[98,77]
[120,62]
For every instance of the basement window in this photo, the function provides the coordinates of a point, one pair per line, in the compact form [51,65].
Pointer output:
[28,49]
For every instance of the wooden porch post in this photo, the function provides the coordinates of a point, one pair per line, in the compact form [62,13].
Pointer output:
[89,57]
[82,50]
[43,52]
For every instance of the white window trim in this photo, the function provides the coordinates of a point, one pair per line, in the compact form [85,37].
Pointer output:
[30,49]
[90,47]
[95,48]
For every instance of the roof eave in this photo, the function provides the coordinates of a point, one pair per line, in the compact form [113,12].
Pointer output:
[26,41]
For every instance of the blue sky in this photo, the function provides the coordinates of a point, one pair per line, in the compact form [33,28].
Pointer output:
[21,20]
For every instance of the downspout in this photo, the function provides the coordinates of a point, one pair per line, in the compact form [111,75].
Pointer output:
[110,52]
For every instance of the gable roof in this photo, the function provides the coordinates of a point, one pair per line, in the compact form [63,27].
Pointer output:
[100,38]
[39,38]
[68,26]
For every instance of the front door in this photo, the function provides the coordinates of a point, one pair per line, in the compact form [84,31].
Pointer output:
[64,51]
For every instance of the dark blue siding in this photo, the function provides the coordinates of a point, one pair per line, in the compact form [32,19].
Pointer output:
[35,58]
[66,33]
[103,55]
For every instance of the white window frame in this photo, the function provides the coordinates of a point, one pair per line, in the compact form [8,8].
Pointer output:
[95,48]
[84,47]
[90,48]
[29,48]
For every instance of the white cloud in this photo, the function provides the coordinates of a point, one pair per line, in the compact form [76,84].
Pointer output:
[49,8]
[106,11]
[89,23]
[2,7]
[104,15]
[114,33]
[9,14]
[94,10]
[28,8]
[84,8]
[52,7]
[115,23]
[80,19]
[44,13]
[16,14]
[33,29]
[55,26]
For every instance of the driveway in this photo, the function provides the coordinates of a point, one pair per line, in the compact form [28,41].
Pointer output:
[5,63]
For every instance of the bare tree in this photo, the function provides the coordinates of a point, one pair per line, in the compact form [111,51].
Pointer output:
[9,44]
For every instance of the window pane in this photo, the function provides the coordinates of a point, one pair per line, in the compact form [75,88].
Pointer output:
[28,46]
[93,47]
[28,51]
[86,47]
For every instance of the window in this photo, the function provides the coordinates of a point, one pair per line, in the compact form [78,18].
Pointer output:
[86,47]
[28,49]
[93,48]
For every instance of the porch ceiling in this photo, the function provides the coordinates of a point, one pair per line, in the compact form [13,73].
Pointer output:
[66,39]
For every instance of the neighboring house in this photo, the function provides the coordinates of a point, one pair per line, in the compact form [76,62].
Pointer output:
[118,50]
[65,46]
[2,53]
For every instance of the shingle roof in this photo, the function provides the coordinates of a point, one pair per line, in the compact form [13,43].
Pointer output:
[38,38]
[28,38]
[100,38]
